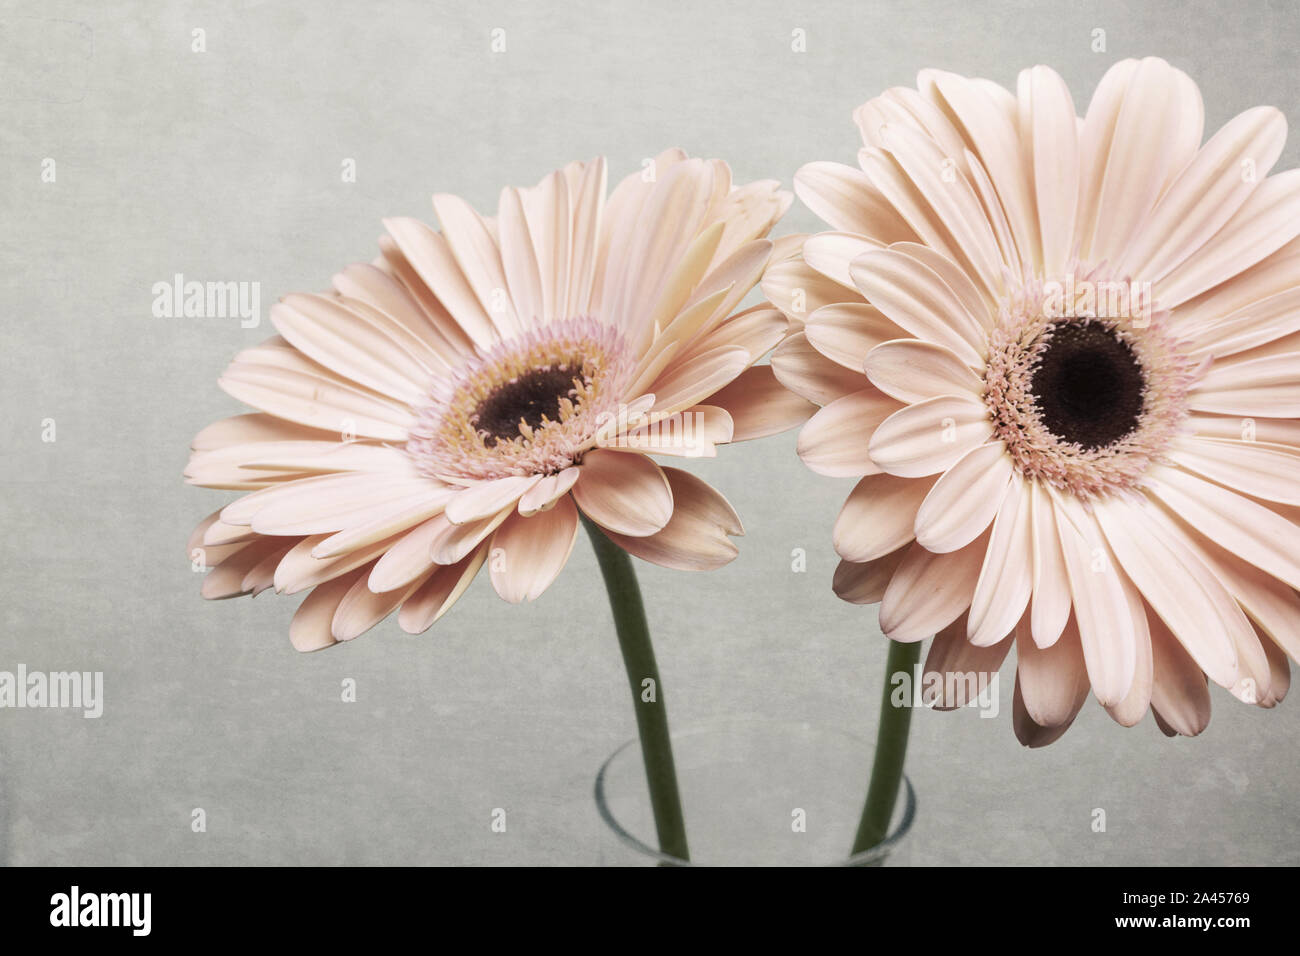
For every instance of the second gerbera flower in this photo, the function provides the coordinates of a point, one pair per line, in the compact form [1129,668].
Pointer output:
[1061,355]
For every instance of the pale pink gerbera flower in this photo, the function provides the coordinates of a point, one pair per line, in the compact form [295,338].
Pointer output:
[463,397]
[1063,356]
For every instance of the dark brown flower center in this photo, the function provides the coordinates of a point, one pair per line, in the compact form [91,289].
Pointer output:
[535,395]
[1088,385]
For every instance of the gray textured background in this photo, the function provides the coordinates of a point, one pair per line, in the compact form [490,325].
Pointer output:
[226,166]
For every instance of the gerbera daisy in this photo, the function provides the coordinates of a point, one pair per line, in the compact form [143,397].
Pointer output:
[1062,356]
[459,400]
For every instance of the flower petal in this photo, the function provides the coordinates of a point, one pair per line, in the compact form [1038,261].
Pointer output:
[311,628]
[798,366]
[1135,143]
[831,254]
[878,516]
[1278,431]
[327,332]
[231,575]
[475,250]
[1052,138]
[1179,695]
[282,381]
[548,491]
[912,371]
[950,200]
[298,570]
[1272,606]
[1206,194]
[401,516]
[928,591]
[834,440]
[1246,528]
[1259,469]
[1268,386]
[1265,222]
[696,537]
[930,436]
[759,405]
[960,670]
[866,583]
[1034,735]
[527,554]
[965,499]
[1101,609]
[547,212]
[364,284]
[1130,711]
[845,199]
[361,608]
[432,261]
[977,300]
[798,290]
[253,428]
[1006,578]
[991,131]
[332,502]
[438,593]
[755,330]
[913,296]
[1205,316]
[519,259]
[487,498]
[847,331]
[655,241]
[1052,678]
[452,542]
[1051,601]
[1178,586]
[408,558]
[627,494]
[693,381]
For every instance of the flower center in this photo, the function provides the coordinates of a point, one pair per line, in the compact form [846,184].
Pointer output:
[531,405]
[1088,385]
[533,399]
[1084,399]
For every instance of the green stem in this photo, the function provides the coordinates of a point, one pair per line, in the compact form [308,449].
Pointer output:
[651,715]
[891,750]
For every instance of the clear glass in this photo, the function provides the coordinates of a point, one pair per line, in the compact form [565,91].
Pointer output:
[754,793]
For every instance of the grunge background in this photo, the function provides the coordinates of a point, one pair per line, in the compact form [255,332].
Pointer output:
[225,165]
